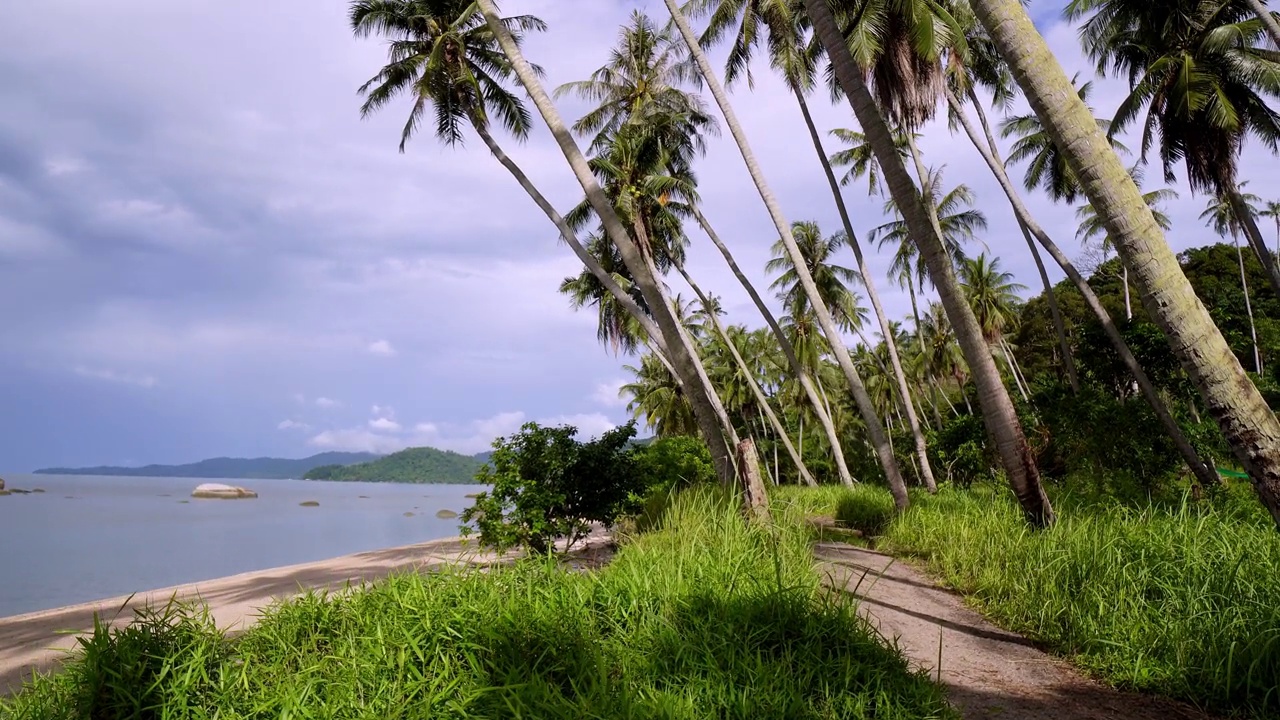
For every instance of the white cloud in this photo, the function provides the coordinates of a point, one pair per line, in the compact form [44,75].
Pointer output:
[381,347]
[65,165]
[144,381]
[607,394]
[385,424]
[293,425]
[325,402]
[589,425]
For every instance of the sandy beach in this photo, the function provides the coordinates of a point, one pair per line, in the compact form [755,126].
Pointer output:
[39,641]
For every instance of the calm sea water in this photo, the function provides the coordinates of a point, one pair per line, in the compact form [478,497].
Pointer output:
[88,538]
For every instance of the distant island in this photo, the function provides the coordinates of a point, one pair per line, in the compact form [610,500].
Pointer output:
[415,465]
[263,468]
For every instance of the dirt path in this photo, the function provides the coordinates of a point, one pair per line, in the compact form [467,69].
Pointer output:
[40,641]
[987,672]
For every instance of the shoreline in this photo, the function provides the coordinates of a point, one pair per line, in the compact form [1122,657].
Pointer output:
[38,641]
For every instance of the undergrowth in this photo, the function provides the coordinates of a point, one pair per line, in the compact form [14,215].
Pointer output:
[703,617]
[1176,598]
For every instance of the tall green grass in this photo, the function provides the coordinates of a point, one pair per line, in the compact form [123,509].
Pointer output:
[1172,598]
[703,617]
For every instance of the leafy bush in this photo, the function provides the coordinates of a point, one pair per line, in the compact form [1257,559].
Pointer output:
[547,485]
[866,509]
[959,453]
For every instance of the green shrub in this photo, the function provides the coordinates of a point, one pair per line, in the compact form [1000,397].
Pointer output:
[958,451]
[866,509]
[547,485]
[674,462]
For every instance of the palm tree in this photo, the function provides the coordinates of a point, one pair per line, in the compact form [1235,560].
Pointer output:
[657,397]
[1047,167]
[1092,229]
[832,280]
[861,159]
[1272,210]
[998,411]
[993,295]
[711,310]
[640,94]
[615,327]
[796,59]
[1250,427]
[985,67]
[958,220]
[1267,18]
[1201,80]
[706,406]
[446,58]
[878,439]
[1220,214]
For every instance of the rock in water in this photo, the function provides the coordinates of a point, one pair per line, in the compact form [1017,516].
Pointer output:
[218,491]
[309,503]
[1,483]
[446,514]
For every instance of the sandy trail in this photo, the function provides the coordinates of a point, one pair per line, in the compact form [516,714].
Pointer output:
[39,641]
[987,672]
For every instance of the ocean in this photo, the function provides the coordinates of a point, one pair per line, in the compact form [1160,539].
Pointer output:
[89,538]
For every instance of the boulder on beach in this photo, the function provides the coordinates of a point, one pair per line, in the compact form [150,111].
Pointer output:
[218,491]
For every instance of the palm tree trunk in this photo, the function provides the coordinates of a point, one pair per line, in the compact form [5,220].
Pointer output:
[1268,20]
[1059,327]
[1248,308]
[1018,379]
[1128,304]
[646,256]
[1250,427]
[990,154]
[1244,214]
[750,377]
[788,350]
[571,238]
[683,357]
[998,413]
[894,478]
[922,453]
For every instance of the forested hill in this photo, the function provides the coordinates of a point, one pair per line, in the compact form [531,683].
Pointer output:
[414,465]
[263,468]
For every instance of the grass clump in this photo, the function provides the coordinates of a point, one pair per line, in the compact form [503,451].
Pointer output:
[1177,599]
[705,617]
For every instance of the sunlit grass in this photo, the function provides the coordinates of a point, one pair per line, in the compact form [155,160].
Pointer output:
[704,617]
[1175,598]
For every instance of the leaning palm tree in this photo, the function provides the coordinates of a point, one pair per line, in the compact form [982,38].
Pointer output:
[1220,214]
[707,408]
[615,328]
[958,220]
[1199,77]
[1047,167]
[445,57]
[1250,427]
[1092,229]
[1272,210]
[999,414]
[640,93]
[985,66]
[879,441]
[780,26]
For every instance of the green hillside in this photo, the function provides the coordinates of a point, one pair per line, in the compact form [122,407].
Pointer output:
[414,465]
[263,468]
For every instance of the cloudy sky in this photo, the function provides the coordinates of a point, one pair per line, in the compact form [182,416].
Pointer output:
[205,251]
